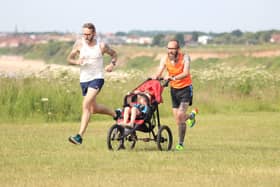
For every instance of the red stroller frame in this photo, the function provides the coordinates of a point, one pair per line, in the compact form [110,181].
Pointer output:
[122,137]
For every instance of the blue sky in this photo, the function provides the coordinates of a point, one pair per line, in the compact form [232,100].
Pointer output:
[147,15]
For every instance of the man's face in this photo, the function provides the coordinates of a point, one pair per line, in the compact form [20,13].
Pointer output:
[88,35]
[172,50]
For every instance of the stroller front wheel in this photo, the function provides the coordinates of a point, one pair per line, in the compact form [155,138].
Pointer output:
[164,138]
[114,138]
[130,138]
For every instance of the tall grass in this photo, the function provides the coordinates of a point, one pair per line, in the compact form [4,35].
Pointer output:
[237,84]
[38,98]
[234,84]
[57,98]
[60,99]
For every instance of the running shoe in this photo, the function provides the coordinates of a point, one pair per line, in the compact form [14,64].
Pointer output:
[76,139]
[191,121]
[179,147]
[118,114]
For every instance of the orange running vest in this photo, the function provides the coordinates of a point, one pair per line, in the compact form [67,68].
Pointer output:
[177,69]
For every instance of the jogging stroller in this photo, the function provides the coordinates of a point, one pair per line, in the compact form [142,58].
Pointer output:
[125,137]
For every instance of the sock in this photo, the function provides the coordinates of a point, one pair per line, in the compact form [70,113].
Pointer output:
[182,131]
[192,115]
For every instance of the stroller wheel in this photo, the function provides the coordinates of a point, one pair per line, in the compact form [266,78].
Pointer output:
[114,138]
[164,138]
[130,139]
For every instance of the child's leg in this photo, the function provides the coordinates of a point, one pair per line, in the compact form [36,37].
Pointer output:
[126,114]
[134,113]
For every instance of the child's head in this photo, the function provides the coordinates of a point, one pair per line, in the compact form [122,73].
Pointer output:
[143,98]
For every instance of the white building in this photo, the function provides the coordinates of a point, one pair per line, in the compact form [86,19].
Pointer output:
[203,39]
[139,40]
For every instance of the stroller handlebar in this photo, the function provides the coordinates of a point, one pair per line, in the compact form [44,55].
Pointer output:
[164,83]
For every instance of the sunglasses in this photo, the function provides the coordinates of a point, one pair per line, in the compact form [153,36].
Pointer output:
[85,34]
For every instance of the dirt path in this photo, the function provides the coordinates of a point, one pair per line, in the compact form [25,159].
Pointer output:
[17,65]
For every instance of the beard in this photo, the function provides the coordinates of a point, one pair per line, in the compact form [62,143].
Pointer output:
[173,56]
[89,40]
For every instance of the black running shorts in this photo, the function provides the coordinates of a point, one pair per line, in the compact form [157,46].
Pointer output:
[181,95]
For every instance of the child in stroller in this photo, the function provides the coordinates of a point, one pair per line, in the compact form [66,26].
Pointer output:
[141,105]
[136,109]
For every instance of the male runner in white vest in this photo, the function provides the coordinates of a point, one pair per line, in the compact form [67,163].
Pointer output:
[88,53]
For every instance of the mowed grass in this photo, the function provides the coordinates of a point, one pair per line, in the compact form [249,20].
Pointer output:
[221,150]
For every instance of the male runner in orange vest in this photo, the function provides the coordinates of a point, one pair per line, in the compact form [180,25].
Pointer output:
[177,65]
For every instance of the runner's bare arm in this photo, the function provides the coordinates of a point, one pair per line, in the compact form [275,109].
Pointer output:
[107,49]
[72,57]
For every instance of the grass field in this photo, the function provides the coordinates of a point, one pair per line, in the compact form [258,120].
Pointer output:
[221,150]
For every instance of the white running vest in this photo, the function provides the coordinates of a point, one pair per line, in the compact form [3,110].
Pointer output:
[92,67]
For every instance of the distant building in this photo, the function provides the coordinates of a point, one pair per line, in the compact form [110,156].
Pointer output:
[139,40]
[17,39]
[188,38]
[145,40]
[111,38]
[203,39]
[275,38]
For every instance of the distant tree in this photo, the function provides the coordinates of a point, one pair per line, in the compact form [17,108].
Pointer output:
[121,33]
[159,40]
[250,38]
[195,35]
[264,36]
[180,38]
[237,33]
[222,38]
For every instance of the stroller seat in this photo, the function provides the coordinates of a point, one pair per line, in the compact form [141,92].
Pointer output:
[130,100]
